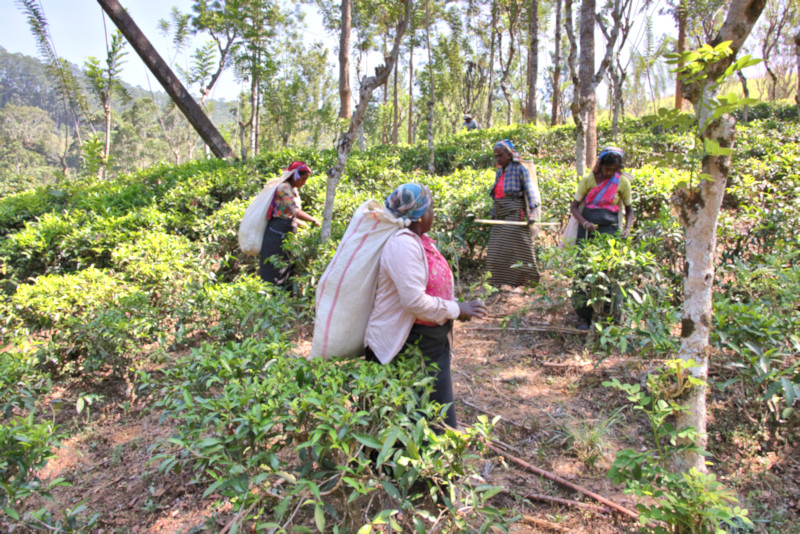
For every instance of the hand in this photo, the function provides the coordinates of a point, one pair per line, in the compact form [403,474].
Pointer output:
[316,221]
[589,227]
[473,308]
[535,228]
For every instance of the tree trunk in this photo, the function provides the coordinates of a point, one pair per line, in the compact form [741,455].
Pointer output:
[490,104]
[533,63]
[171,84]
[681,48]
[101,173]
[345,144]
[745,92]
[797,53]
[556,69]
[344,61]
[699,211]
[395,106]
[254,113]
[587,88]
[411,90]
[616,101]
[431,99]
[577,112]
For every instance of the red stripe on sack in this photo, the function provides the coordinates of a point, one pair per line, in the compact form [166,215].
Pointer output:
[339,287]
[324,279]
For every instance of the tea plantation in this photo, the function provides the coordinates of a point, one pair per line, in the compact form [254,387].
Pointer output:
[126,304]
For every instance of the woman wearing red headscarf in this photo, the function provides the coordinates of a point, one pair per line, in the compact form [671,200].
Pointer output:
[282,216]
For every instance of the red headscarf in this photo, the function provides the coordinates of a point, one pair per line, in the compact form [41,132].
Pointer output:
[298,167]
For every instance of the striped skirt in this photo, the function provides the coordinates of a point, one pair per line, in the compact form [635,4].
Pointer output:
[510,256]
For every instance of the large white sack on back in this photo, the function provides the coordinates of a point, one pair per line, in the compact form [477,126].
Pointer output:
[537,212]
[254,221]
[346,290]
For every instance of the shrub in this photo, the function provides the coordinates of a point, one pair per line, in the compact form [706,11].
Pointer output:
[364,448]
[90,318]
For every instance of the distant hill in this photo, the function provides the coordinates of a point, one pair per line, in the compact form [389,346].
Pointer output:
[23,82]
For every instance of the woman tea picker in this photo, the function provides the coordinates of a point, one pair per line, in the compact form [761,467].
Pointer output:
[283,215]
[603,192]
[514,200]
[414,301]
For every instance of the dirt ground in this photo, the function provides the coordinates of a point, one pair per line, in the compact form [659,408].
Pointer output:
[555,415]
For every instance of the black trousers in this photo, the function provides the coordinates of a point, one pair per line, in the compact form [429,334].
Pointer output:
[434,342]
[272,246]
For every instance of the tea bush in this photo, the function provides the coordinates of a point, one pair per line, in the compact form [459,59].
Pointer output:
[86,321]
[26,446]
[275,434]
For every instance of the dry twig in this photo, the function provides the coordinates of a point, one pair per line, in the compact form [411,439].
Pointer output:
[564,482]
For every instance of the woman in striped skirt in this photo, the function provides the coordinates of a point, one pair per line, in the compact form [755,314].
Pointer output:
[510,256]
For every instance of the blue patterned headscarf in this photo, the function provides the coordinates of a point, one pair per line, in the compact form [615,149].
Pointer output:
[409,201]
[611,150]
[508,146]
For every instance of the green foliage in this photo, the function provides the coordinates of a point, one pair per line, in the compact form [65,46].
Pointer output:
[358,430]
[671,502]
[26,446]
[90,320]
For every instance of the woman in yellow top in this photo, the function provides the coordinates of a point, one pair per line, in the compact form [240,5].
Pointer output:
[604,193]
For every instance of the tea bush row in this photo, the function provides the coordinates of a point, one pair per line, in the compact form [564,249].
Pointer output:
[350,442]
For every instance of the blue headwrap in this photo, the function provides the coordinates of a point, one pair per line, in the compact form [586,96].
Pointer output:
[610,150]
[508,146]
[409,201]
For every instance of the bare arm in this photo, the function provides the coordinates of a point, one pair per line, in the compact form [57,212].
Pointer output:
[573,208]
[303,216]
[628,220]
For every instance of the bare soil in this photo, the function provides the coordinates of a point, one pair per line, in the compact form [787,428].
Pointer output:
[541,384]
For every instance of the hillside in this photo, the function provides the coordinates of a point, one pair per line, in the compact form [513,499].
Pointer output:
[151,381]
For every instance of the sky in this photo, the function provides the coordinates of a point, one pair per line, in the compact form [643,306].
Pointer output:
[77,30]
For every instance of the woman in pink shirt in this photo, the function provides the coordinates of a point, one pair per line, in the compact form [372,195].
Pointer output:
[414,301]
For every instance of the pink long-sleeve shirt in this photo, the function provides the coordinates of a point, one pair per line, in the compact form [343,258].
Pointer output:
[400,298]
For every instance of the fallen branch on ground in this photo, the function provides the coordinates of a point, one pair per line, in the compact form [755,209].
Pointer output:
[544,524]
[558,500]
[564,482]
[564,364]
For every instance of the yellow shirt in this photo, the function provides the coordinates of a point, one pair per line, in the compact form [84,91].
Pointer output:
[622,198]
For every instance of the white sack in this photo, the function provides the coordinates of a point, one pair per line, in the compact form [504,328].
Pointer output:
[346,290]
[254,221]
[537,212]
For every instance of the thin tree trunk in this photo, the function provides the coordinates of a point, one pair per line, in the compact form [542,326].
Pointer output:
[773,86]
[797,53]
[345,144]
[344,61]
[681,48]
[746,93]
[586,72]
[107,149]
[395,106]
[411,90]
[699,210]
[533,62]
[490,104]
[431,99]
[253,113]
[171,84]
[556,69]
[577,113]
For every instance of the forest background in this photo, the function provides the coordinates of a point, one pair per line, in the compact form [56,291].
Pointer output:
[493,60]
